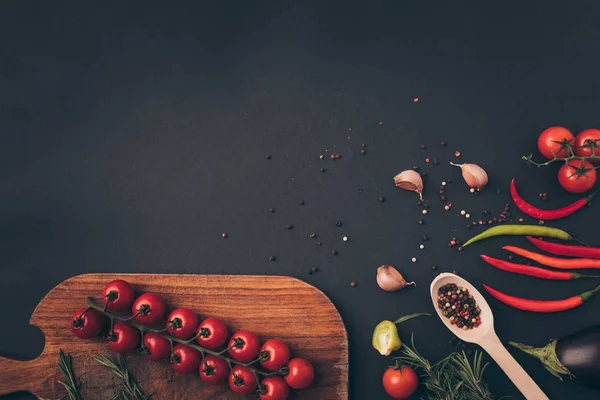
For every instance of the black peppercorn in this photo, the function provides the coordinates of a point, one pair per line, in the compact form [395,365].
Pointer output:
[271,210]
[425,238]
[288,227]
[338,223]
[380,199]
[272,258]
[334,252]
[443,143]
[301,202]
[268,157]
[423,147]
[323,170]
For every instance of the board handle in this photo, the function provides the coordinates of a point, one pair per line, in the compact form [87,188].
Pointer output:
[512,369]
[29,375]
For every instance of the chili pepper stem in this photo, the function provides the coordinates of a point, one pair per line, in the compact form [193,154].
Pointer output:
[575,275]
[410,316]
[586,295]
[547,356]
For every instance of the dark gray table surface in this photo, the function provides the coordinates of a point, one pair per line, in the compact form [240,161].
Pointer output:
[133,134]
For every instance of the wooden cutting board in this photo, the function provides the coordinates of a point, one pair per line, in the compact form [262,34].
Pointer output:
[271,306]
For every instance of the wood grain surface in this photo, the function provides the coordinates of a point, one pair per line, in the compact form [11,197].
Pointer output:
[272,306]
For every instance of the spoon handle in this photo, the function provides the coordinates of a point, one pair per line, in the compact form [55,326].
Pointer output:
[512,369]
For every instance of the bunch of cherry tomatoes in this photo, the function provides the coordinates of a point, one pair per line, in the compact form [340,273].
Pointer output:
[576,175]
[182,325]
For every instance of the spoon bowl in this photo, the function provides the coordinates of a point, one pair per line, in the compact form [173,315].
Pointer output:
[485,336]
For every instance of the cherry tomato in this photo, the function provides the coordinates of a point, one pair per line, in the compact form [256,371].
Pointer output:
[274,354]
[151,308]
[86,323]
[244,346]
[583,140]
[123,338]
[156,347]
[577,176]
[274,388]
[301,373]
[212,333]
[555,139]
[242,380]
[185,359]
[118,295]
[213,370]
[400,383]
[182,323]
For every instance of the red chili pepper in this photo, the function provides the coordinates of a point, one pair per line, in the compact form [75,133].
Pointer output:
[540,213]
[555,262]
[533,271]
[565,249]
[541,305]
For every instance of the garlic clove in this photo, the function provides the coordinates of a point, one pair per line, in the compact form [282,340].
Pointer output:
[390,280]
[410,180]
[474,175]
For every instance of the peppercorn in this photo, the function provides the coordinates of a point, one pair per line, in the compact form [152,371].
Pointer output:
[415,168]
[323,170]
[301,202]
[443,144]
[363,152]
[423,147]
[224,235]
[319,244]
[457,153]
[288,227]
[363,145]
[312,235]
[420,222]
[443,198]
[272,258]
[460,248]
[435,161]
[334,252]
[353,284]
[271,210]
[338,223]
[425,238]
[268,157]
[433,268]
[427,159]
[380,199]
[511,257]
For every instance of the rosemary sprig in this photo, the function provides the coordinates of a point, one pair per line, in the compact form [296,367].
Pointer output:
[453,378]
[130,388]
[65,362]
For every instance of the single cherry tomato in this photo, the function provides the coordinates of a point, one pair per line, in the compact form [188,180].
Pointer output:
[584,142]
[242,380]
[577,177]
[557,140]
[301,373]
[213,370]
[244,346]
[86,323]
[156,347]
[273,388]
[123,338]
[148,309]
[212,333]
[182,323]
[400,383]
[185,359]
[274,354]
[118,295]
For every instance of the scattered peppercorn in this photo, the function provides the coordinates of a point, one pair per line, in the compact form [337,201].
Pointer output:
[425,238]
[443,144]
[334,252]
[416,100]
[435,161]
[420,222]
[520,219]
[427,159]
[380,199]
[541,222]
[422,246]
[414,259]
[345,238]
[301,202]
[313,270]
[323,170]
[271,210]
[460,248]
[363,152]
[312,235]
[272,258]
[511,257]
[457,153]
[288,227]
[363,145]
[224,235]
[472,190]
[338,223]
[423,147]
[360,190]
[424,212]
[268,157]
[415,168]
[433,267]
[455,272]
[321,156]
[353,284]
[319,244]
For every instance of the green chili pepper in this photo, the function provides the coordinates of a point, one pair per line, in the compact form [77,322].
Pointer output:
[385,336]
[525,230]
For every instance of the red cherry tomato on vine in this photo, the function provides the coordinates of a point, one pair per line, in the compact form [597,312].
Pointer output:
[86,323]
[185,359]
[212,333]
[244,346]
[400,383]
[123,338]
[301,373]
[182,323]
[274,354]
[213,370]
[577,177]
[274,388]
[156,347]
[583,140]
[242,380]
[555,139]
[151,308]
[118,295]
